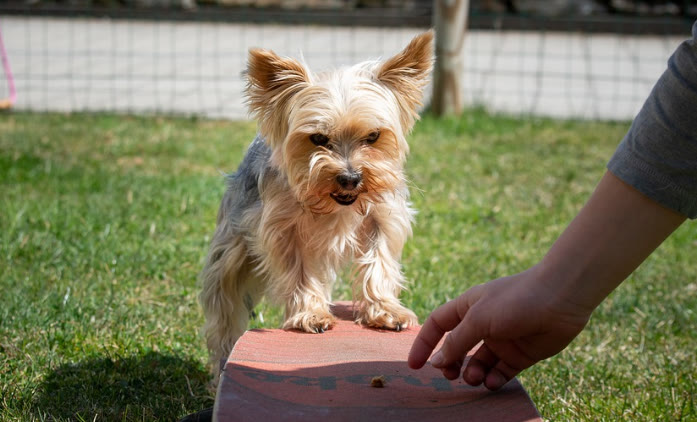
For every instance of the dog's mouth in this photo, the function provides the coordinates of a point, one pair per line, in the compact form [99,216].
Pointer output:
[344,198]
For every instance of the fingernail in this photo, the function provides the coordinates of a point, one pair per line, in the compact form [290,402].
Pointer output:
[495,380]
[472,376]
[437,359]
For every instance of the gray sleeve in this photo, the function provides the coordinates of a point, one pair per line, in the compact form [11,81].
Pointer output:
[658,156]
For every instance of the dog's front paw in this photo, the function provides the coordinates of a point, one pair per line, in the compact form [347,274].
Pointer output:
[388,315]
[310,321]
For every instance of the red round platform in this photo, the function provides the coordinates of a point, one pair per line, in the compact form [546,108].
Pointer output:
[276,375]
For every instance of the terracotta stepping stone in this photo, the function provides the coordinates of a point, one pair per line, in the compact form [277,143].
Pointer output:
[276,375]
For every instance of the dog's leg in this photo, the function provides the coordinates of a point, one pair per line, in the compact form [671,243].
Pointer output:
[300,283]
[379,276]
[308,310]
[230,292]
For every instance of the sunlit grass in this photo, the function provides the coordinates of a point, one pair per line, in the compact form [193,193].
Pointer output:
[104,222]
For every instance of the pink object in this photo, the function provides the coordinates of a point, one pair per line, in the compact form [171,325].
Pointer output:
[7,102]
[276,375]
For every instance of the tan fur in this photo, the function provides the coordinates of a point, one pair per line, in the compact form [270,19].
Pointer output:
[287,225]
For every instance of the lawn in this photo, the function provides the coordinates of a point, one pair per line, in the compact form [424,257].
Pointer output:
[105,220]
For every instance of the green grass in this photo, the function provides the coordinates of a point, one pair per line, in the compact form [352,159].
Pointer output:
[104,222]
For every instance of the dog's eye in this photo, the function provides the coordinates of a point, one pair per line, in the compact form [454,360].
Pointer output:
[372,137]
[319,139]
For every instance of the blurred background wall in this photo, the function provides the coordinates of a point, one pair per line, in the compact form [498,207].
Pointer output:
[563,58]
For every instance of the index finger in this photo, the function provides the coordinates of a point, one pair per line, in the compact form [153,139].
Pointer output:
[442,320]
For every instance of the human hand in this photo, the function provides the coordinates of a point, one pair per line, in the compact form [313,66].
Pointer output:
[528,317]
[520,319]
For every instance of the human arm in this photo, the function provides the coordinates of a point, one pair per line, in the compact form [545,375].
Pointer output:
[531,316]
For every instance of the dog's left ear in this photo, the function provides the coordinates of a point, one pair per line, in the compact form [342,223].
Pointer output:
[406,74]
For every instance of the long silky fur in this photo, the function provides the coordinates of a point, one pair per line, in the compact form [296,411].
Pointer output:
[279,232]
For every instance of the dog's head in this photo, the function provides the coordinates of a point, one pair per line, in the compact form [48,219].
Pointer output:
[339,137]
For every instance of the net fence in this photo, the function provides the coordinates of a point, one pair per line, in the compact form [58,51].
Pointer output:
[196,68]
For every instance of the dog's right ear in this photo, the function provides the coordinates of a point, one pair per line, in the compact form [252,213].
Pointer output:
[271,83]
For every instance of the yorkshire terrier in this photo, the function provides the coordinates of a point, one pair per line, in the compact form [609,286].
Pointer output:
[322,184]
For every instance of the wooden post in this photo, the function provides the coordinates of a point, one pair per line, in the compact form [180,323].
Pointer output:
[450,21]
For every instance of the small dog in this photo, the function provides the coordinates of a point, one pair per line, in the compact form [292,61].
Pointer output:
[323,183]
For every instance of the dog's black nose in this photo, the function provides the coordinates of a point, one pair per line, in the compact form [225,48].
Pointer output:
[349,181]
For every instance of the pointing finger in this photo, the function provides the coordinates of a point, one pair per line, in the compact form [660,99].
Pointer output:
[442,320]
[456,345]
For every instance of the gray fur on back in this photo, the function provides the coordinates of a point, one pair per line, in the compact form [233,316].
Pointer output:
[243,186]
